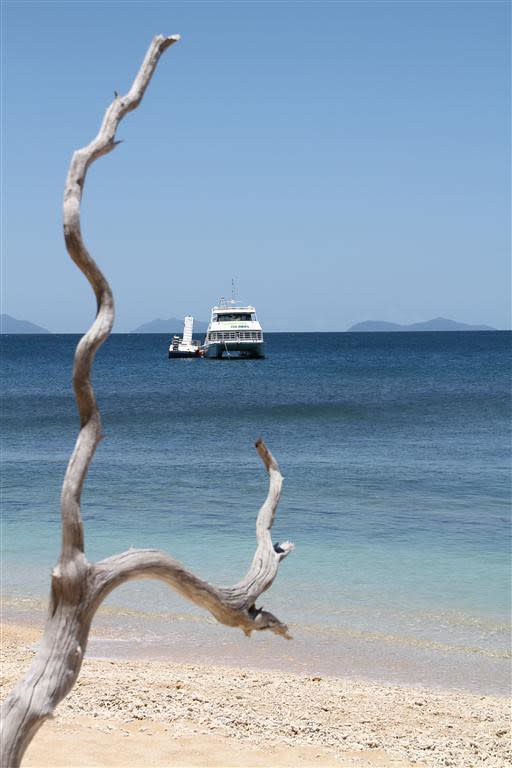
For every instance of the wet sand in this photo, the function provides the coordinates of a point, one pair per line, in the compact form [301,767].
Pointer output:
[148,714]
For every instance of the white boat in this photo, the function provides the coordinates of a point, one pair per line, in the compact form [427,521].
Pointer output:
[185,346]
[234,331]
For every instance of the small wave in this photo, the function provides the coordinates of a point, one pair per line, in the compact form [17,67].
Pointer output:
[400,640]
[114,612]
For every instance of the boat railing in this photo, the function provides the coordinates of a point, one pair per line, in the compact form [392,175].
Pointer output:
[235,336]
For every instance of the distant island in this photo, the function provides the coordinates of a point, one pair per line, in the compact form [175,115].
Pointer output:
[438,324]
[9,324]
[172,325]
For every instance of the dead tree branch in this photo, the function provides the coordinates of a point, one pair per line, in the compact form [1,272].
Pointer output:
[77,586]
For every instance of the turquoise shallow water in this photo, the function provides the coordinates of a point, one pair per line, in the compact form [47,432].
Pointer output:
[396,454]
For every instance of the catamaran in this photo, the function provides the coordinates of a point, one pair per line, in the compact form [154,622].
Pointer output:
[234,331]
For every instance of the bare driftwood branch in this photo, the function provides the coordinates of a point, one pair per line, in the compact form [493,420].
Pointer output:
[234,606]
[77,586]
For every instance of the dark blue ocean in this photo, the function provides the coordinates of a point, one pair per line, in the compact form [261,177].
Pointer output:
[395,450]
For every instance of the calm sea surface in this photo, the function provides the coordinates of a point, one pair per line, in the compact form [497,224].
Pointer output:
[396,454]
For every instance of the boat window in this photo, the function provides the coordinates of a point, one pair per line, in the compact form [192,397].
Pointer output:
[231,317]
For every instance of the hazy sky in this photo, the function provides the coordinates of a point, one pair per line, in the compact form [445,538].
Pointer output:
[343,161]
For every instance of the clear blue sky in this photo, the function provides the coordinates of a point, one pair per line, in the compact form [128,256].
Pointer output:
[343,161]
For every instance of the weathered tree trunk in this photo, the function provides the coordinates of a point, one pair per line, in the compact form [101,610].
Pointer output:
[77,586]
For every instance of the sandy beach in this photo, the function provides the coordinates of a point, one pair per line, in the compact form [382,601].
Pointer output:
[138,713]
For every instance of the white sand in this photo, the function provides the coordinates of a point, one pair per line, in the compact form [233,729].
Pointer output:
[137,713]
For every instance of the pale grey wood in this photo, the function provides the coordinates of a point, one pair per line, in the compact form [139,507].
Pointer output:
[77,586]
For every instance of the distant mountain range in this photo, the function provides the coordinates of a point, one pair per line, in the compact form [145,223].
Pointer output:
[9,324]
[172,325]
[438,324]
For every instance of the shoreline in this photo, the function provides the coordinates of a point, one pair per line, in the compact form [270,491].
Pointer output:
[345,653]
[152,713]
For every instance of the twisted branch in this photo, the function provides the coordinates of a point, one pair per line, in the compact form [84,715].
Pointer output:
[78,587]
[90,422]
[233,606]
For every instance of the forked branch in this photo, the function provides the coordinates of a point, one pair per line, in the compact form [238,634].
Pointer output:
[78,587]
[234,606]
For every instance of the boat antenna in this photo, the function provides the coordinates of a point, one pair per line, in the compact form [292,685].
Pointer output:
[233,300]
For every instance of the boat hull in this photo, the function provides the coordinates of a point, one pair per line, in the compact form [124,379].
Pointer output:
[247,349]
[183,354]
